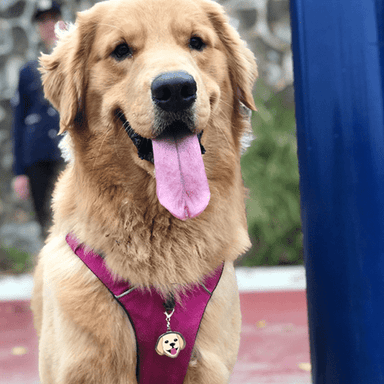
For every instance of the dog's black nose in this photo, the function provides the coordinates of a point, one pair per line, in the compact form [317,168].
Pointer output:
[174,91]
[172,344]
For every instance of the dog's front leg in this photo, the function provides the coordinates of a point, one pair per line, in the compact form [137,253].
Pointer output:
[88,366]
[74,356]
[207,368]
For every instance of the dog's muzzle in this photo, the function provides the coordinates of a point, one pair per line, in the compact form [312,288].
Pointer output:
[175,149]
[173,95]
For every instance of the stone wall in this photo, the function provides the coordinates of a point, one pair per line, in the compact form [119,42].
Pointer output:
[263,23]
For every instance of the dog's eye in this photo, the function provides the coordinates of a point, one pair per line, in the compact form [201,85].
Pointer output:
[166,341]
[196,43]
[121,52]
[175,340]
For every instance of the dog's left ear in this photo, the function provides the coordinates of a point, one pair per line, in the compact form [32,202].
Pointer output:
[63,71]
[241,61]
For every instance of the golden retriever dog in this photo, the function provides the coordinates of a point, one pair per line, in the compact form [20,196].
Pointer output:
[151,95]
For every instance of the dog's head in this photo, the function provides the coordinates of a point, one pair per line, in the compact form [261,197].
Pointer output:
[170,344]
[154,84]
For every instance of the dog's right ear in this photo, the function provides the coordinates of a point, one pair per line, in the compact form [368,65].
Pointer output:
[241,61]
[63,71]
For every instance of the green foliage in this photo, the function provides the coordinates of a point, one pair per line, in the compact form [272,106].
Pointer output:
[14,260]
[270,171]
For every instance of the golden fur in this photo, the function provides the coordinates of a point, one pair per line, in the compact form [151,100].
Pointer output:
[107,195]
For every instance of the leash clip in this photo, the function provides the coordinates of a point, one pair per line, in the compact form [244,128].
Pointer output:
[168,318]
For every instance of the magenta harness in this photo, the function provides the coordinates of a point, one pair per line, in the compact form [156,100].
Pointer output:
[165,331]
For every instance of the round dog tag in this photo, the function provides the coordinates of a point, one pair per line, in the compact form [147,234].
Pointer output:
[170,343]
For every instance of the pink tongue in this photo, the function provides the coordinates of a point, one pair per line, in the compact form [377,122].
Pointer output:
[182,185]
[173,351]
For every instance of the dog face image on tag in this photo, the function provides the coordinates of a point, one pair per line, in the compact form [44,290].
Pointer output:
[170,344]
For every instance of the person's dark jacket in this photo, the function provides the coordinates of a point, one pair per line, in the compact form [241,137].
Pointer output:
[35,122]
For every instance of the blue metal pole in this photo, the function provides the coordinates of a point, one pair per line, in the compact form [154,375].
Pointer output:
[338,51]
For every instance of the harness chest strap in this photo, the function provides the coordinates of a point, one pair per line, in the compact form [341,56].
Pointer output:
[145,309]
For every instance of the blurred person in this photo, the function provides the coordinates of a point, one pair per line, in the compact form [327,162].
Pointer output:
[37,158]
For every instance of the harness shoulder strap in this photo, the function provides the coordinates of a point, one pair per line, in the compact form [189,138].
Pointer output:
[96,264]
[145,309]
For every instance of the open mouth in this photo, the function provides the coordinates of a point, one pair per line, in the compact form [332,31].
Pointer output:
[176,153]
[173,351]
[144,145]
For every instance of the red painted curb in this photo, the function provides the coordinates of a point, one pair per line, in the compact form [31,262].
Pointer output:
[18,346]
[274,346]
